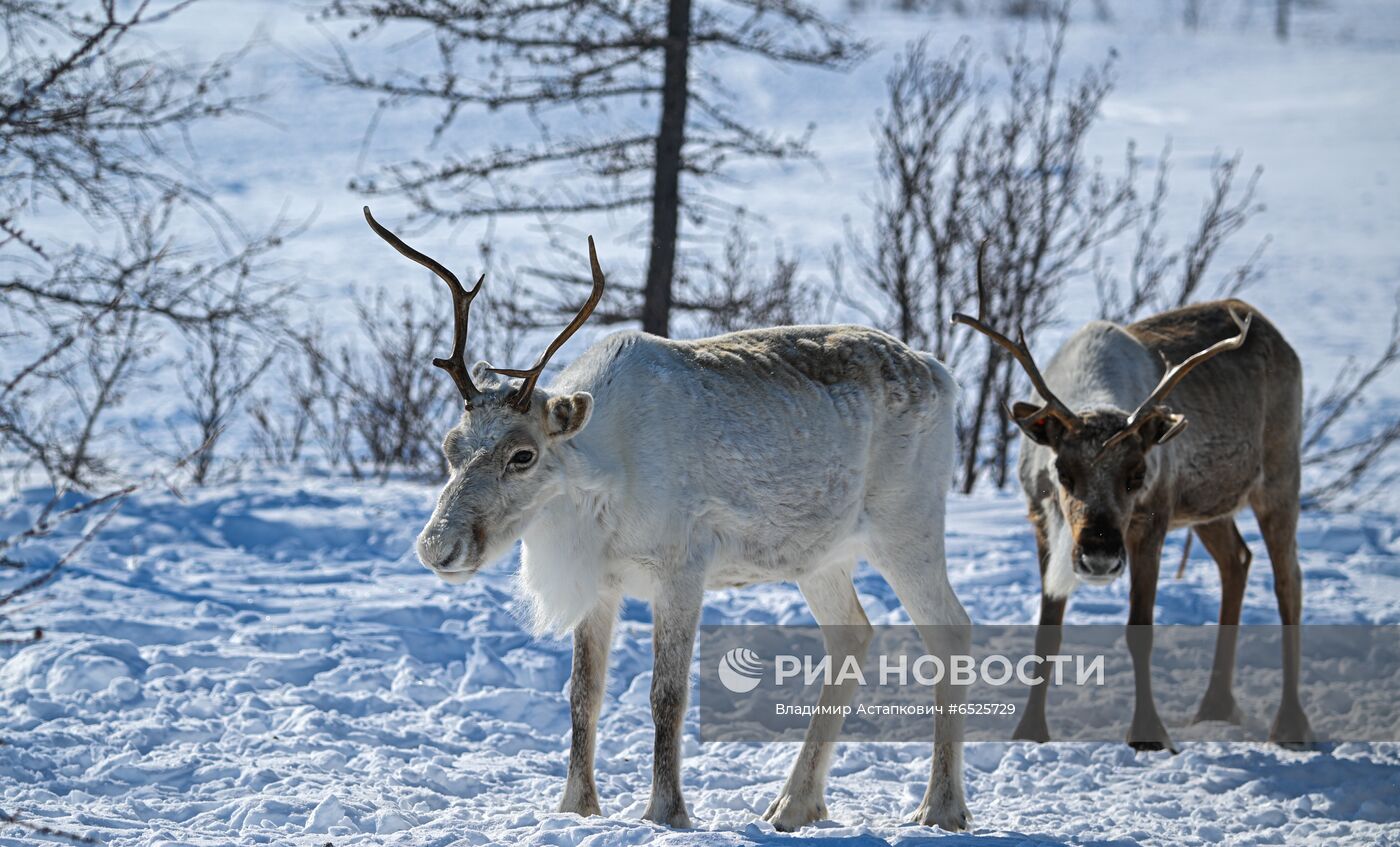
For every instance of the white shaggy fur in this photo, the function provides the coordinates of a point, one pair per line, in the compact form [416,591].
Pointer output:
[1060,578]
[666,467]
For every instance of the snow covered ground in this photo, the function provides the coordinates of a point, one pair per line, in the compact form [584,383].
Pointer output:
[265,663]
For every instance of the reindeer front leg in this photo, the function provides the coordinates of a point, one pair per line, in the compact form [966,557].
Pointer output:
[1144,562]
[675,615]
[592,640]
[1033,726]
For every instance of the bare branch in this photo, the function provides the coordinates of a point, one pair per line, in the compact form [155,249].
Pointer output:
[41,829]
[47,576]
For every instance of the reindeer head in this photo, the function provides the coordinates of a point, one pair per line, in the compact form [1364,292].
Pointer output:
[504,453]
[1095,486]
[1102,457]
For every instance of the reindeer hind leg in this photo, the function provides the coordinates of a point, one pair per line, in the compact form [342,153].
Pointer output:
[847,632]
[915,567]
[1226,546]
[1275,505]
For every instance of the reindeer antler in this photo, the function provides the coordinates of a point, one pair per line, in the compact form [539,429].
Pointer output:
[455,365]
[1174,376]
[1018,350]
[521,398]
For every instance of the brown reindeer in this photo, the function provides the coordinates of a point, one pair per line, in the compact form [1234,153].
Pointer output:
[1105,485]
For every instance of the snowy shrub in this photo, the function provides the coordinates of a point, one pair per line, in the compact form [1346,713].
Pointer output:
[967,164]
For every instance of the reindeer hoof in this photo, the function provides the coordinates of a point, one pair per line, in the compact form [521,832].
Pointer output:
[1151,736]
[1292,730]
[789,814]
[669,812]
[1031,730]
[1149,746]
[947,813]
[583,807]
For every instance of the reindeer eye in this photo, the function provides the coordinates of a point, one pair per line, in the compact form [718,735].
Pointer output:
[522,459]
[1135,480]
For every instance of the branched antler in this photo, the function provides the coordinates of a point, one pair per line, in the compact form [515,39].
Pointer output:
[1173,377]
[1018,350]
[520,399]
[455,364]
[461,304]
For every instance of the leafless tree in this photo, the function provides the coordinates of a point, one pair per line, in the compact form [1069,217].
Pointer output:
[965,166]
[111,502]
[962,167]
[91,267]
[312,389]
[1159,278]
[282,420]
[1044,206]
[396,401]
[37,828]
[1350,466]
[614,67]
[918,255]
[221,366]
[738,292]
[365,405]
[373,409]
[1024,9]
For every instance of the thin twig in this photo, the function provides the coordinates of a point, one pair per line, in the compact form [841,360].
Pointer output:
[41,829]
[44,578]
[48,525]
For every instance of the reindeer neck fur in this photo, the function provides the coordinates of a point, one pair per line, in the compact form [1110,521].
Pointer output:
[582,541]
[561,559]
[563,548]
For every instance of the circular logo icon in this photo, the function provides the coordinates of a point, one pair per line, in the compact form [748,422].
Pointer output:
[740,670]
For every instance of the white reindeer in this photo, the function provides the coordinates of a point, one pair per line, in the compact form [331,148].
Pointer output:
[656,469]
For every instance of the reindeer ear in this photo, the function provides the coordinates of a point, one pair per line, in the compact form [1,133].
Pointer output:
[566,416]
[1163,426]
[1044,430]
[481,372]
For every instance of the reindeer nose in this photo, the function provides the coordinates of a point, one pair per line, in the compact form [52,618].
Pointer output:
[1099,565]
[431,552]
[1100,555]
[446,561]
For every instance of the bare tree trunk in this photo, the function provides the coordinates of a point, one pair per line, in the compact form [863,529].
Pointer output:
[665,196]
[908,307]
[972,446]
[1004,433]
[1281,19]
